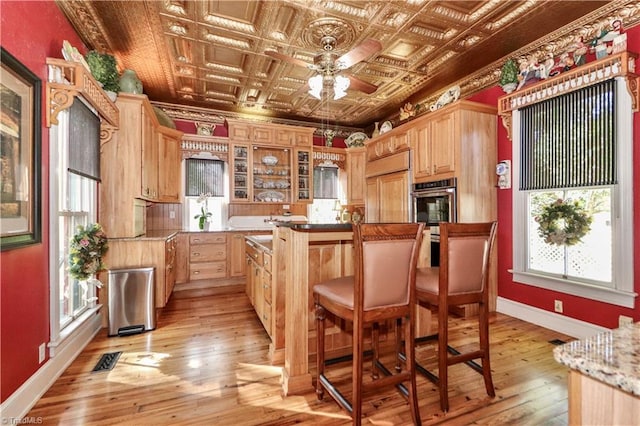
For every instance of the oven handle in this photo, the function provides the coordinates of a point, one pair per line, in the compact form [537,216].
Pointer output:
[433,193]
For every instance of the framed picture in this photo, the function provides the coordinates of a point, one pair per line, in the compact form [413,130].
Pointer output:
[20,150]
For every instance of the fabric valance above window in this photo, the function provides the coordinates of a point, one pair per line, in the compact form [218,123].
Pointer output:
[569,141]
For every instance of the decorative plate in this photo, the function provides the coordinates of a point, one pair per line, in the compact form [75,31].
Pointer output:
[355,139]
[269,160]
[386,126]
[270,196]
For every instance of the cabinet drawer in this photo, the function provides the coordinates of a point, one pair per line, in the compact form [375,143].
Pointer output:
[208,238]
[266,261]
[266,318]
[201,271]
[207,252]
[254,253]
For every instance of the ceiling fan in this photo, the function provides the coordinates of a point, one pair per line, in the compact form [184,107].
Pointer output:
[328,67]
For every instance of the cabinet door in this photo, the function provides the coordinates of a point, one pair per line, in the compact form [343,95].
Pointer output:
[393,197]
[303,175]
[356,181]
[168,167]
[170,268]
[262,134]
[149,157]
[443,144]
[182,258]
[421,145]
[237,263]
[372,209]
[240,173]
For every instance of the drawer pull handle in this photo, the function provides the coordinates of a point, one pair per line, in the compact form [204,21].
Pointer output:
[196,254]
[196,272]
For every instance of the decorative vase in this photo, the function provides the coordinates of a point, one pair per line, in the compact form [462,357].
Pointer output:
[130,83]
[376,131]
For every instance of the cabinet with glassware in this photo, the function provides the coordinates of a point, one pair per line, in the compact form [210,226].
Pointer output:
[270,162]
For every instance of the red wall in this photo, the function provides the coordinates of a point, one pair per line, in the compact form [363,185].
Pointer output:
[603,314]
[31,31]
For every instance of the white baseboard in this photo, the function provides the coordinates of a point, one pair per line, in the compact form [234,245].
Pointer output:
[551,320]
[24,398]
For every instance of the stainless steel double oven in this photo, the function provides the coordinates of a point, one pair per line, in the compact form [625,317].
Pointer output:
[435,202]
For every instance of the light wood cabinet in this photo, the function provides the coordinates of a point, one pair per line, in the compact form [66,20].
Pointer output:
[135,164]
[169,157]
[303,175]
[434,142]
[182,258]
[356,180]
[207,256]
[158,253]
[259,288]
[237,262]
[388,198]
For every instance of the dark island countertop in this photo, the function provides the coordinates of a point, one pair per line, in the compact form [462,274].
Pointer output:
[316,227]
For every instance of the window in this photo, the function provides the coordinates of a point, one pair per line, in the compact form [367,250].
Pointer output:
[205,176]
[588,161]
[74,179]
[325,182]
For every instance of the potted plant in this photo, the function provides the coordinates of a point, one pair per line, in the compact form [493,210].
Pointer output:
[509,76]
[103,68]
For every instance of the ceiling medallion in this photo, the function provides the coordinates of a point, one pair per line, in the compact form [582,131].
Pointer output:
[341,32]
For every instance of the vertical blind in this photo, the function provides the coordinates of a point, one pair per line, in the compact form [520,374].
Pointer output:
[569,141]
[84,141]
[204,176]
[325,182]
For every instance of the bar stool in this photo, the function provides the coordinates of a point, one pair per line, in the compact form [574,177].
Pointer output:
[382,289]
[462,278]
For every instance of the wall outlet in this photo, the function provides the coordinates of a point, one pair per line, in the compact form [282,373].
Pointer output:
[172,214]
[624,320]
[41,353]
[557,306]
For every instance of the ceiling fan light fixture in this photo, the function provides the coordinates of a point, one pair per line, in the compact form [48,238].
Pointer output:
[315,86]
[340,86]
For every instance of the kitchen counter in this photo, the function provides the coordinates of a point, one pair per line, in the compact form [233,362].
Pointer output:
[612,357]
[317,227]
[265,242]
[604,377]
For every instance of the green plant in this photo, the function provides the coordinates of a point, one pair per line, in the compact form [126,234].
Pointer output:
[509,73]
[103,68]
[204,214]
[86,249]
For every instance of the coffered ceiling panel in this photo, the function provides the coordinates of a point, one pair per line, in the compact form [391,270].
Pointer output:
[249,57]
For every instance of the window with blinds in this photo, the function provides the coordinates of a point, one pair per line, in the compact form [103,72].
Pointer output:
[325,182]
[84,141]
[576,147]
[204,176]
[570,141]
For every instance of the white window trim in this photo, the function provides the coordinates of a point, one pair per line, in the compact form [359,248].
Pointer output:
[622,294]
[59,338]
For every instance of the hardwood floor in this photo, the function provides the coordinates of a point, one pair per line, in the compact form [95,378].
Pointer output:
[207,364]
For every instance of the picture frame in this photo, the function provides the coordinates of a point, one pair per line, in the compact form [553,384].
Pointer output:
[20,154]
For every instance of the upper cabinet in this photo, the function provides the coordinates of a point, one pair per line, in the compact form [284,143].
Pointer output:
[457,141]
[270,163]
[356,180]
[141,161]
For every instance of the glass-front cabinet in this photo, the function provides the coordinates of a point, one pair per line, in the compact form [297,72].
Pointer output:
[271,174]
[304,178]
[240,173]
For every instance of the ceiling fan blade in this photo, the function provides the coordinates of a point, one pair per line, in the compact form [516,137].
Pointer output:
[359,53]
[289,59]
[361,85]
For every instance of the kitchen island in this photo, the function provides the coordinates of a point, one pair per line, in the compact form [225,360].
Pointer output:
[604,377]
[300,256]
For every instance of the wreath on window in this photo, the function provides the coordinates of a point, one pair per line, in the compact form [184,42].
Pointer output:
[86,250]
[563,223]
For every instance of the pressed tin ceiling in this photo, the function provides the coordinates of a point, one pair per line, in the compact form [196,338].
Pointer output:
[210,55]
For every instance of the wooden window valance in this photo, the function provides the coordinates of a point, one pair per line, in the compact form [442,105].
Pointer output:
[619,65]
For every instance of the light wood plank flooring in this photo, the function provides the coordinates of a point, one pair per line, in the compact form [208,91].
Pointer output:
[207,364]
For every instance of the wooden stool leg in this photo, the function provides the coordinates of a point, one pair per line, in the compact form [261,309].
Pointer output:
[409,348]
[483,326]
[399,343]
[375,346]
[357,369]
[320,316]
[443,357]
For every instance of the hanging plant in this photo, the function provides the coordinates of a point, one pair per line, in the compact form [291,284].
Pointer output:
[563,223]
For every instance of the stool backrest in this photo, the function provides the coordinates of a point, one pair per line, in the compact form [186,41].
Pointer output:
[386,259]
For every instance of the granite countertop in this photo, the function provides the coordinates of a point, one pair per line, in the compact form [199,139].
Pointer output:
[317,227]
[612,357]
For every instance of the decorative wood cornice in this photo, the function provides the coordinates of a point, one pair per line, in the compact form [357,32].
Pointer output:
[619,65]
[70,79]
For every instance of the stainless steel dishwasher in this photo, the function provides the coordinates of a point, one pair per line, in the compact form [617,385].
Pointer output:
[131,301]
